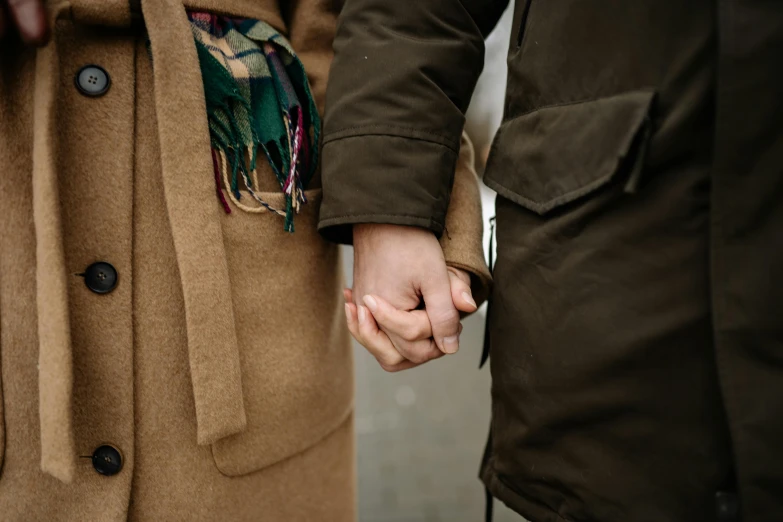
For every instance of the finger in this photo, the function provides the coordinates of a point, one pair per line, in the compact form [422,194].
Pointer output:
[404,365]
[411,326]
[418,352]
[444,317]
[461,294]
[385,359]
[376,341]
[30,19]
[352,319]
[409,332]
[348,295]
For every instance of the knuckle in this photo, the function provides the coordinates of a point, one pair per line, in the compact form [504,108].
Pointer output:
[412,333]
[445,317]
[418,358]
[389,360]
[389,368]
[386,368]
[416,354]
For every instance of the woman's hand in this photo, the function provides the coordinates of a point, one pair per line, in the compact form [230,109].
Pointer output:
[27,18]
[401,339]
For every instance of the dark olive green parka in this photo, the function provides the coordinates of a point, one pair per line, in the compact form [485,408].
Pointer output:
[637,320]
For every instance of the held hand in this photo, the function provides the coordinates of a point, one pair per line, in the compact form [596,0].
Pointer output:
[28,17]
[405,266]
[398,339]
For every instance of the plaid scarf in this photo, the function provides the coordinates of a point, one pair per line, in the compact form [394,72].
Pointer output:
[258,99]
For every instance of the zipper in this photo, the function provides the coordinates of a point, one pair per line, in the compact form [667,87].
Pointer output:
[523,23]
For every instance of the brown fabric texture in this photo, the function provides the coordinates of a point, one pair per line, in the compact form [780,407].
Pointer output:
[635,332]
[198,240]
[54,333]
[220,365]
[384,75]
[464,227]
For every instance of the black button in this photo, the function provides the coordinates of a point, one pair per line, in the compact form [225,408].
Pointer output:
[107,460]
[100,277]
[92,80]
[726,506]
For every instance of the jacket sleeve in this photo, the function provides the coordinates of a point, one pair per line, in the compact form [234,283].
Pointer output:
[400,83]
[312,25]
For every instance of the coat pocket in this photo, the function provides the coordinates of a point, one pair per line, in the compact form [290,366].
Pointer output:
[554,155]
[522,24]
[295,354]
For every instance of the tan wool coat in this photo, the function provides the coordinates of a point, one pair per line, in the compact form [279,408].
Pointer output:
[219,366]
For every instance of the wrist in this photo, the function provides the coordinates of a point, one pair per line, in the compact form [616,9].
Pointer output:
[367,232]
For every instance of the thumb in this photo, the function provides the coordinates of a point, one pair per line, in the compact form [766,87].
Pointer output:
[460,290]
[444,317]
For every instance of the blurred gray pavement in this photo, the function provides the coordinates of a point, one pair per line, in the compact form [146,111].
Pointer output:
[420,437]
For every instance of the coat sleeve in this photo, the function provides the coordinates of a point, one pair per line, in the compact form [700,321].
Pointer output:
[312,25]
[462,239]
[311,30]
[401,81]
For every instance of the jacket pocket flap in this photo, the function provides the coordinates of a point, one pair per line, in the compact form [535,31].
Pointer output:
[555,155]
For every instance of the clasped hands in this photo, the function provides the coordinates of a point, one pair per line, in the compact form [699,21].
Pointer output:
[405,304]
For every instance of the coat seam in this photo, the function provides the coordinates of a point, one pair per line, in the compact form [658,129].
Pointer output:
[381,126]
[542,208]
[389,219]
[726,385]
[388,130]
[342,419]
[647,90]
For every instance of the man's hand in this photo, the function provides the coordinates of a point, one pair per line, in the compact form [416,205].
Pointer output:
[405,267]
[28,18]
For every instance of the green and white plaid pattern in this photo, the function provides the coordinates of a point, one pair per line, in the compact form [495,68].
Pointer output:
[258,101]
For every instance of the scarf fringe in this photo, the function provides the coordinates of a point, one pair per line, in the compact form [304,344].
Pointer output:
[236,138]
[232,171]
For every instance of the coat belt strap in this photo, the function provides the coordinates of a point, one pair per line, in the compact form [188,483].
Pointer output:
[195,221]
[55,363]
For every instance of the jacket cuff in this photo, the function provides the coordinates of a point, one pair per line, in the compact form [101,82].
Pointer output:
[411,186]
